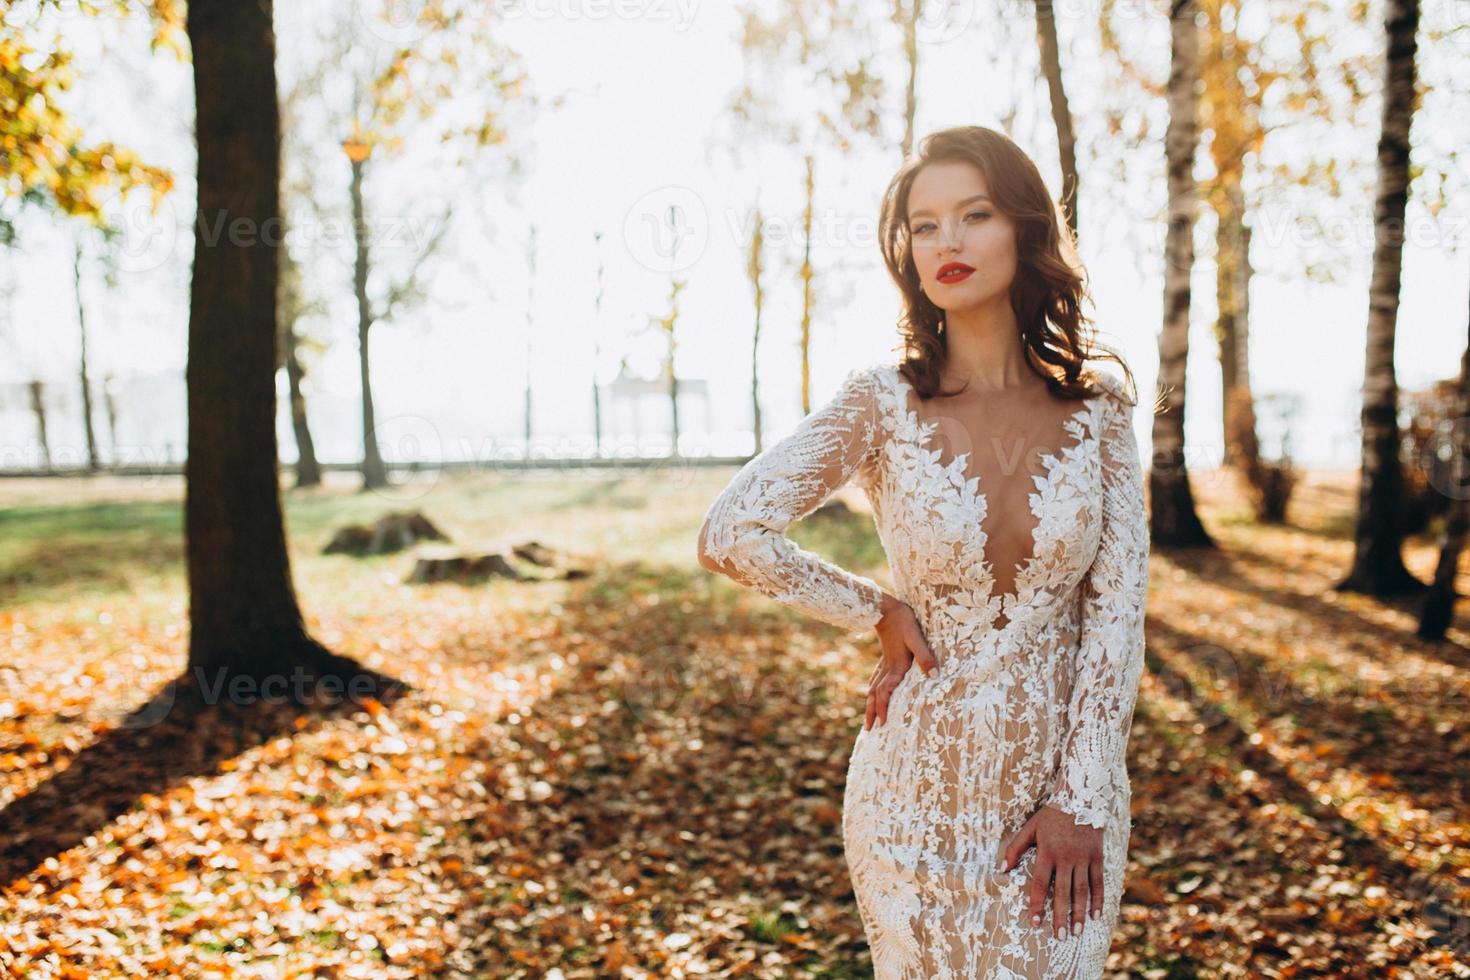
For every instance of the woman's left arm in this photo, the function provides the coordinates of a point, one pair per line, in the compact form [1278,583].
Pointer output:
[1093,774]
[1067,827]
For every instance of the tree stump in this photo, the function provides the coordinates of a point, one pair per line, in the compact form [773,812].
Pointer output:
[391,533]
[448,565]
[524,562]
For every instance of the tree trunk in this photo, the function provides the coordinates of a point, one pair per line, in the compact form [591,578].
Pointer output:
[109,408]
[1061,112]
[308,470]
[806,289]
[36,388]
[530,330]
[1171,500]
[93,465]
[1439,604]
[247,638]
[1232,329]
[374,473]
[755,269]
[911,54]
[673,369]
[673,401]
[290,306]
[1378,564]
[597,354]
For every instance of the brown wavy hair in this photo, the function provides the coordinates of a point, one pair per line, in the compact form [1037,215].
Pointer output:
[1050,282]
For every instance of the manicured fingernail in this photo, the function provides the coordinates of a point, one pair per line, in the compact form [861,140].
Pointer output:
[1076,928]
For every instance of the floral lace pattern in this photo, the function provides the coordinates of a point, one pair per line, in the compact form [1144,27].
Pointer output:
[1034,695]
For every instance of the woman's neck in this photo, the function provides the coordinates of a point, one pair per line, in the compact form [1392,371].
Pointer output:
[984,347]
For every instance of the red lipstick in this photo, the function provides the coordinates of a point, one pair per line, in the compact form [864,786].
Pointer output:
[953,272]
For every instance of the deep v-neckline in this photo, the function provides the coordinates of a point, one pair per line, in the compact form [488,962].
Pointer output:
[973,497]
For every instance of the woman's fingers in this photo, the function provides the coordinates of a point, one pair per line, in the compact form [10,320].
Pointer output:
[1096,874]
[921,652]
[885,690]
[879,692]
[1040,878]
[1081,892]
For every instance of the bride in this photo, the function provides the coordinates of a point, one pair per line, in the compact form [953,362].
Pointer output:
[986,814]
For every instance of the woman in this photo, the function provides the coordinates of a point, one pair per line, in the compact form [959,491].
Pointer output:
[1006,488]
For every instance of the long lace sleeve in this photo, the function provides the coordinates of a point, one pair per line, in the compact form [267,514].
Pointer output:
[744,530]
[1109,662]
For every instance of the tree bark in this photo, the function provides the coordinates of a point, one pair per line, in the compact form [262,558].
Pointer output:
[806,288]
[291,305]
[1232,329]
[1439,604]
[93,465]
[374,473]
[1378,565]
[673,367]
[247,638]
[36,388]
[109,408]
[308,469]
[597,355]
[911,54]
[1061,112]
[755,269]
[1174,520]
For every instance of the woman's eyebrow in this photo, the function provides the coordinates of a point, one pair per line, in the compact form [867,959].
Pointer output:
[968,200]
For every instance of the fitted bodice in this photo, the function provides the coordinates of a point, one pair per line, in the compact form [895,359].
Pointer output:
[971,565]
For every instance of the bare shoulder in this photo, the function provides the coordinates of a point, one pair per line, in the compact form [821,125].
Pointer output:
[1112,386]
[869,378]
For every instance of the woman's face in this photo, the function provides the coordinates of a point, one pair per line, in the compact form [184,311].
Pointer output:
[952,223]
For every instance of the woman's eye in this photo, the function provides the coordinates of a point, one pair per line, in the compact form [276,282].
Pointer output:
[927,226]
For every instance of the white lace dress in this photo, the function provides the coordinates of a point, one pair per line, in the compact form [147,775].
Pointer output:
[1033,698]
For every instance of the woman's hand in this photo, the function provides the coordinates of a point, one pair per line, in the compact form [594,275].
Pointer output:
[1074,852]
[903,643]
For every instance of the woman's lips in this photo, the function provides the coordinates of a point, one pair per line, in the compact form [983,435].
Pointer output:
[953,273]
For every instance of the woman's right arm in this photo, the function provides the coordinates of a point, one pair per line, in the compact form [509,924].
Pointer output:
[744,533]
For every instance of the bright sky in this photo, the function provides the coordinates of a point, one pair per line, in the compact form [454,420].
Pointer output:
[645,126]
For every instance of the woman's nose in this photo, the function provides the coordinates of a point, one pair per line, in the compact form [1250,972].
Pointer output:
[948,236]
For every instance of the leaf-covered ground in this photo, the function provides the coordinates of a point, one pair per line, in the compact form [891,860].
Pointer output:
[640,774]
